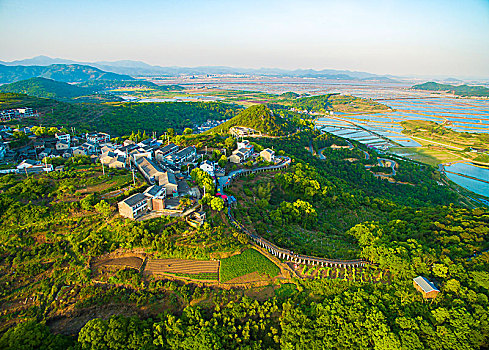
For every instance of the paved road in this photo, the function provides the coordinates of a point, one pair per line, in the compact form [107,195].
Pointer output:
[393,164]
[223,181]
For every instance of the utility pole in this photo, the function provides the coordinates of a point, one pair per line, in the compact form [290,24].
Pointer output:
[133,179]
[103,168]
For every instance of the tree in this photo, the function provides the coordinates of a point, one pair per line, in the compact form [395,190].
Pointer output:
[170,132]
[53,130]
[230,143]
[217,204]
[184,202]
[103,208]
[187,131]
[223,161]
[32,335]
[452,286]
[440,270]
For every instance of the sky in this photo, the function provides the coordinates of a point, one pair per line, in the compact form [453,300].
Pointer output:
[409,37]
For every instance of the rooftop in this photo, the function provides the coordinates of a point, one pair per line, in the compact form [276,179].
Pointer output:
[425,284]
[153,190]
[134,199]
[167,178]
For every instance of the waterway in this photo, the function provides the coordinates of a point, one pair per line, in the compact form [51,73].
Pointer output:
[468,169]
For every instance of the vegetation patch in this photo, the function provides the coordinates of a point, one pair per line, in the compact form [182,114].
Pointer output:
[247,262]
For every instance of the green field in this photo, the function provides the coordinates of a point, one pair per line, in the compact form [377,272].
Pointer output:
[247,262]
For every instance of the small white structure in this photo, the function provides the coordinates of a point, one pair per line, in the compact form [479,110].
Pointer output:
[268,154]
[62,136]
[209,167]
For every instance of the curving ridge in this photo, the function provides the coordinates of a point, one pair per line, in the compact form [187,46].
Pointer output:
[281,253]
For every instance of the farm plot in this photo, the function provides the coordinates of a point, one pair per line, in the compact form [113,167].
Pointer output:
[245,263]
[198,269]
[134,262]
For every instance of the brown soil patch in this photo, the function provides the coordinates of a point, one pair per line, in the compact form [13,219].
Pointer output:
[261,293]
[248,278]
[161,266]
[134,262]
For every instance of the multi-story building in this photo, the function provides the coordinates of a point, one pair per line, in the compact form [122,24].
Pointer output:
[63,136]
[98,137]
[183,156]
[134,206]
[165,151]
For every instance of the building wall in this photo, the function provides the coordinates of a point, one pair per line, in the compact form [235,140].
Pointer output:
[235,159]
[158,204]
[125,210]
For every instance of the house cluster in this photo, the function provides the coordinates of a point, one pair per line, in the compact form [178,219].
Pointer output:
[60,144]
[207,125]
[305,111]
[29,166]
[241,131]
[244,151]
[161,167]
[17,113]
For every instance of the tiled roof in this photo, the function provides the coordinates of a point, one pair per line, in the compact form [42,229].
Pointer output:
[134,199]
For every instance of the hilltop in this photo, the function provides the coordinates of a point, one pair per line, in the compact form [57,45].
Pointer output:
[459,90]
[119,119]
[68,73]
[258,117]
[337,103]
[48,88]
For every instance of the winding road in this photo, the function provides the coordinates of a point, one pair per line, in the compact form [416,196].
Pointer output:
[281,253]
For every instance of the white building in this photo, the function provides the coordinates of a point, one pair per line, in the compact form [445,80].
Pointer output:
[268,154]
[98,137]
[209,167]
[62,136]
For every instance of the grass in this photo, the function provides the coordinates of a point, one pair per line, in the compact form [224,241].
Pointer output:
[247,262]
[200,276]
[428,155]
[285,291]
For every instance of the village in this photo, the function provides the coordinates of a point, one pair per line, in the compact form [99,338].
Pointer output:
[164,166]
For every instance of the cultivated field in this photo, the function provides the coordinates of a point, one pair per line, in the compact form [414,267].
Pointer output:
[199,269]
[134,262]
[246,263]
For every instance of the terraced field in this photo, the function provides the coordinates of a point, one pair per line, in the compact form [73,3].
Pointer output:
[182,267]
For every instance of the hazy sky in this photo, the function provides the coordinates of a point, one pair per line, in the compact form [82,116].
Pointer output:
[445,37]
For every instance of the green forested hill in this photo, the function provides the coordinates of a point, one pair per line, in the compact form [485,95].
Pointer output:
[337,103]
[119,118]
[48,88]
[69,73]
[55,228]
[258,117]
[460,90]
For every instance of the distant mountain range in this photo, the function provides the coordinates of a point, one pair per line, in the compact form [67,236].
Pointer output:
[138,68]
[69,73]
